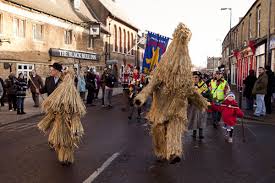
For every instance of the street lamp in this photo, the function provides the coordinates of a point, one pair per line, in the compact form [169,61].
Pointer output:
[230,45]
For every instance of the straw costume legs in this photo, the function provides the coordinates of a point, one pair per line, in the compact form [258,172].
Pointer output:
[167,139]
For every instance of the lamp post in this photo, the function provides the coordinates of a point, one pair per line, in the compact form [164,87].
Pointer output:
[268,55]
[230,45]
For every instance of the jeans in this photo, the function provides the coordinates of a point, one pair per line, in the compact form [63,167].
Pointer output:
[260,109]
[108,96]
[20,103]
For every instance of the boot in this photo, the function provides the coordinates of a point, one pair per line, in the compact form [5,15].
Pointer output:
[201,134]
[194,134]
[22,111]
[18,111]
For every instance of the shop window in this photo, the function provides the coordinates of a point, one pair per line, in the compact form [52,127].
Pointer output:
[19,27]
[68,36]
[37,30]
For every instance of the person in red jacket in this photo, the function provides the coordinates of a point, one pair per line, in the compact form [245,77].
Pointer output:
[230,111]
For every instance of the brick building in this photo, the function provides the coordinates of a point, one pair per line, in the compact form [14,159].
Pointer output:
[252,41]
[213,63]
[120,46]
[37,33]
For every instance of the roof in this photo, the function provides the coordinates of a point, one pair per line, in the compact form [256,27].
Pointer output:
[59,8]
[117,11]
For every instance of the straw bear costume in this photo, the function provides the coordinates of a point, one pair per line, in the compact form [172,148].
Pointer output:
[172,89]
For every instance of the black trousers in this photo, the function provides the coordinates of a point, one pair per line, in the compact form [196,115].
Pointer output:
[12,101]
[90,97]
[268,106]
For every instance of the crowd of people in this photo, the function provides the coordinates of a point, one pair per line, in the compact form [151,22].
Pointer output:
[13,90]
[223,107]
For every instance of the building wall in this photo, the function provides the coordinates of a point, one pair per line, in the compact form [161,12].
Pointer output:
[27,50]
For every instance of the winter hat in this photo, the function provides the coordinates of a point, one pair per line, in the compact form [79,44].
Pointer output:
[231,94]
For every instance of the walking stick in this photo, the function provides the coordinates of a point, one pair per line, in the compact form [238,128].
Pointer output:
[36,88]
[243,130]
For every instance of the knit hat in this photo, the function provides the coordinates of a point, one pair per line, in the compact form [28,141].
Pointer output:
[230,94]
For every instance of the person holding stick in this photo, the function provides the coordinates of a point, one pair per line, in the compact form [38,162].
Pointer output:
[34,84]
[52,81]
[229,112]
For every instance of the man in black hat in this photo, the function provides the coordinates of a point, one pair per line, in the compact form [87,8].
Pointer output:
[52,81]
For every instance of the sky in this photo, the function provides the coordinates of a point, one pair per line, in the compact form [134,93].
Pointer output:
[209,25]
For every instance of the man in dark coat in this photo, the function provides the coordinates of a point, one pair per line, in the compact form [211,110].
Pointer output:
[11,91]
[35,82]
[249,83]
[270,89]
[4,91]
[52,81]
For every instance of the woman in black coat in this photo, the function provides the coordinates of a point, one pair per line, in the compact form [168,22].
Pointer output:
[249,83]
[21,85]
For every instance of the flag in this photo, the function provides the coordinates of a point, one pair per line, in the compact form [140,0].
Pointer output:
[155,47]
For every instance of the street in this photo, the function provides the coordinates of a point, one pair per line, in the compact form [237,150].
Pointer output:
[115,150]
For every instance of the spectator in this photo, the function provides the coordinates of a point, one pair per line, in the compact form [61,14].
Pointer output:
[52,81]
[270,89]
[91,86]
[11,91]
[1,90]
[82,85]
[97,81]
[260,90]
[4,92]
[21,86]
[219,89]
[249,83]
[103,84]
[35,83]
[110,83]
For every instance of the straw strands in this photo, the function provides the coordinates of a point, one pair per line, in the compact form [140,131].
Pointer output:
[64,108]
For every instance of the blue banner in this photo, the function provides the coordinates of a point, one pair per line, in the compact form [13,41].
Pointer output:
[155,47]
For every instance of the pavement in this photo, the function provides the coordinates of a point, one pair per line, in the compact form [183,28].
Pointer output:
[8,117]
[116,150]
[248,114]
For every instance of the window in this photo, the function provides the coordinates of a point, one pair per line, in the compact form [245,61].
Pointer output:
[25,69]
[242,34]
[249,27]
[68,36]
[128,35]
[258,21]
[120,40]
[132,43]
[19,27]
[37,30]
[115,41]
[1,22]
[91,43]
[124,41]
